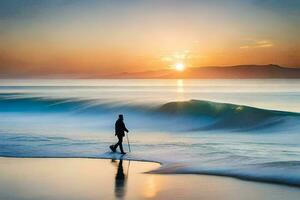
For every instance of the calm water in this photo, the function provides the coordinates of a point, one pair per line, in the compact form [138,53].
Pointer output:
[183,123]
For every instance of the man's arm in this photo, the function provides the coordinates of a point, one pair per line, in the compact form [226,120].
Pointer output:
[124,128]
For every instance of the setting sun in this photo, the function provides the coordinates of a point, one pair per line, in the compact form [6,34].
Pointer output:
[179,66]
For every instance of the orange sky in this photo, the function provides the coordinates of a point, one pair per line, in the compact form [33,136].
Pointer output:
[103,37]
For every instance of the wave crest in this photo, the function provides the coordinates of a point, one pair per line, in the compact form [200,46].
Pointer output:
[226,115]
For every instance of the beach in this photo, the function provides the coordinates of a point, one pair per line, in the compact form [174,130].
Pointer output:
[78,178]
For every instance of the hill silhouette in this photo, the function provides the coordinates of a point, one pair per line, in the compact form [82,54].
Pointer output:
[214,72]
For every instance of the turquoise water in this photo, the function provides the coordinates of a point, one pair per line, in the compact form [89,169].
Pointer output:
[241,128]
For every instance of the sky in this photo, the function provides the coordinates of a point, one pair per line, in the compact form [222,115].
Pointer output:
[112,36]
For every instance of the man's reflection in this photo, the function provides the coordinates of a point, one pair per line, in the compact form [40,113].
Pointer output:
[120,180]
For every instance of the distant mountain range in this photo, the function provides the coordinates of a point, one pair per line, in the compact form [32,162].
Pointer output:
[213,72]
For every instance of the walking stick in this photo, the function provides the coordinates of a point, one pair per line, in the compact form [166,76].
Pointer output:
[128,142]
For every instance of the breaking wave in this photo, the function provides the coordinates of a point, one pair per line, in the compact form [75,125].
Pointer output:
[194,114]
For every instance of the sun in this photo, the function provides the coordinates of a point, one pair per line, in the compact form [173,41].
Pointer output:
[179,67]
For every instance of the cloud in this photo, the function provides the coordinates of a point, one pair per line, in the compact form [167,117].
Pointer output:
[253,43]
[176,56]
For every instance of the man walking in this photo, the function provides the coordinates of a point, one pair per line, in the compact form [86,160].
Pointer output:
[120,130]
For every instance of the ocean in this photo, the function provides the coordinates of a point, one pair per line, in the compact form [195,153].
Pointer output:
[248,129]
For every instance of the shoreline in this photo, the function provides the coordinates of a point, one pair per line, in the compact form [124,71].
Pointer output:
[161,168]
[83,178]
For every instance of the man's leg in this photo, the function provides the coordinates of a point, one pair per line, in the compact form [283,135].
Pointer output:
[120,143]
[116,145]
[112,148]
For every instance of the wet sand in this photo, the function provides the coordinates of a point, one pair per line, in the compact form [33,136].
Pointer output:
[91,179]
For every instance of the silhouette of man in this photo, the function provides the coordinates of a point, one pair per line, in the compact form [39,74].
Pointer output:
[120,130]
